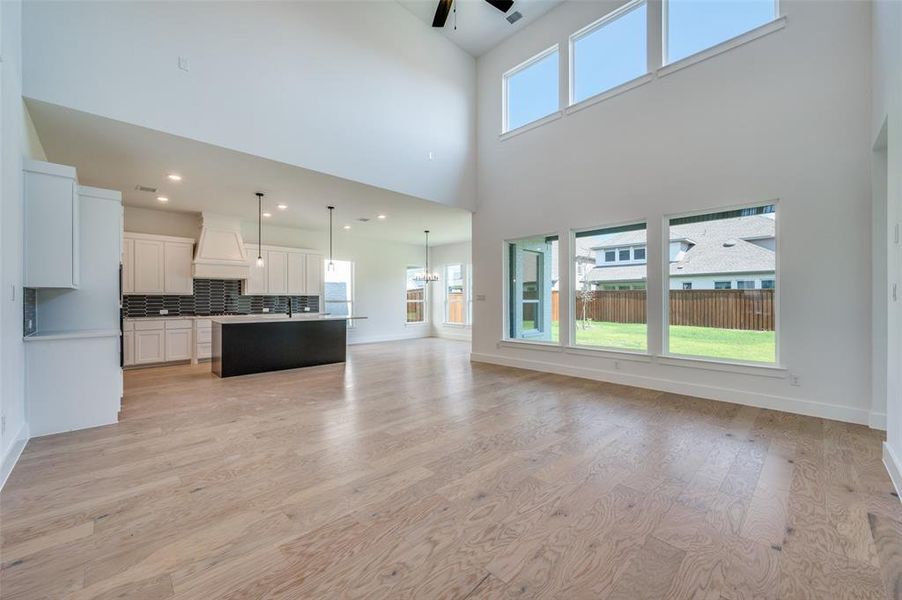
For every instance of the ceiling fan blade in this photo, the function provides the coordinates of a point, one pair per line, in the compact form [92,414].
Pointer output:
[502,5]
[441,13]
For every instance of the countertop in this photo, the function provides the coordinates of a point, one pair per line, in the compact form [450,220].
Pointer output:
[278,318]
[42,336]
[262,316]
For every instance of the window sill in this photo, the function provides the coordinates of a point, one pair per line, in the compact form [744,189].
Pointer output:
[531,125]
[454,325]
[416,324]
[546,346]
[615,91]
[711,364]
[612,353]
[744,38]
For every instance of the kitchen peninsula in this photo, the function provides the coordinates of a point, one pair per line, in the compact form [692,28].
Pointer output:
[257,344]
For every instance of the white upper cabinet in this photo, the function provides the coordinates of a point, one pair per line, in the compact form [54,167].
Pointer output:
[177,279]
[157,265]
[297,274]
[51,225]
[314,277]
[276,272]
[285,272]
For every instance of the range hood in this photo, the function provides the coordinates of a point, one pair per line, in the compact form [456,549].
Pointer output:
[220,250]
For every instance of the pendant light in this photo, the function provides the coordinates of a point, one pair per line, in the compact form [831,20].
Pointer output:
[331,264]
[427,275]
[259,229]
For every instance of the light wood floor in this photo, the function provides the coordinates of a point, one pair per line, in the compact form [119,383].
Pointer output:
[410,473]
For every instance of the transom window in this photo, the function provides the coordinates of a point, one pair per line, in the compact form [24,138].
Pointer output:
[608,53]
[691,26]
[531,90]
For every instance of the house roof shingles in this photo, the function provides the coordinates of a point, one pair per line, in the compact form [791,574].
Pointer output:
[708,254]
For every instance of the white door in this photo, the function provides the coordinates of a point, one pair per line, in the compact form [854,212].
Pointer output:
[178,344]
[276,273]
[256,277]
[314,286]
[177,277]
[128,266]
[148,266]
[149,347]
[297,274]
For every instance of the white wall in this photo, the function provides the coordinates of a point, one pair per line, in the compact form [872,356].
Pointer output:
[361,90]
[439,256]
[17,139]
[887,109]
[783,117]
[380,267]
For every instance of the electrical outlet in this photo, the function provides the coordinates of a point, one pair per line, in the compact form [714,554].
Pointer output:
[184,65]
[306,309]
[164,311]
[616,365]
[480,297]
[266,310]
[794,379]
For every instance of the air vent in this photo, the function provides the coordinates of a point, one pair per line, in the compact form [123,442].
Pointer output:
[514,17]
[145,188]
[363,219]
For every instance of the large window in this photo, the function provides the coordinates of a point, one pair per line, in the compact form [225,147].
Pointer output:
[339,288]
[531,90]
[416,296]
[691,26]
[609,292]
[533,289]
[455,302]
[608,53]
[715,309]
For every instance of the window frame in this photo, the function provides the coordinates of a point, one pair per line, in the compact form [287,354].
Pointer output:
[666,354]
[505,77]
[589,29]
[571,293]
[695,56]
[423,301]
[447,287]
[353,285]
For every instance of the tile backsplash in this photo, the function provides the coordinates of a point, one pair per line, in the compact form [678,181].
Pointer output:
[30,312]
[214,297]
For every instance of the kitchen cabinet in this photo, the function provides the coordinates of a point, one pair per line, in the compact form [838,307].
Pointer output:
[178,340]
[51,229]
[285,272]
[203,338]
[128,348]
[276,272]
[314,275]
[157,265]
[148,265]
[297,274]
[128,266]
[150,344]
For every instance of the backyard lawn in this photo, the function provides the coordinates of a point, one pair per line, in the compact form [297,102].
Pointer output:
[731,344]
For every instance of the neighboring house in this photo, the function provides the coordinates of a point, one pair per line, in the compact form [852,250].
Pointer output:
[736,253]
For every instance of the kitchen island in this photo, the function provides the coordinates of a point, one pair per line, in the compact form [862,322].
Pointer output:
[257,344]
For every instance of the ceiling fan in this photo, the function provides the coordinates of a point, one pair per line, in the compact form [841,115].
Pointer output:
[444,7]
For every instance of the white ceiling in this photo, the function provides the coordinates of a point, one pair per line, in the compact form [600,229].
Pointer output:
[480,26]
[119,156]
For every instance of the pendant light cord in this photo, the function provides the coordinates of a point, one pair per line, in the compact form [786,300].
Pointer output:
[259,226]
[331,264]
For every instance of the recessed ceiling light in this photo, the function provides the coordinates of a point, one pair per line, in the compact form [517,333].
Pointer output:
[267,214]
[175,177]
[381,217]
[282,206]
[347,227]
[162,198]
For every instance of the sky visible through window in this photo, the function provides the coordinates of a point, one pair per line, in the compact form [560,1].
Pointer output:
[610,55]
[694,25]
[532,92]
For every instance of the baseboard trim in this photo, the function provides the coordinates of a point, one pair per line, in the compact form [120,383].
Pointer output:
[893,467]
[877,420]
[721,394]
[386,338]
[12,457]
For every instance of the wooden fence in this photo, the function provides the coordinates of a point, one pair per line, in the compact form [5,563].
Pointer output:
[724,309]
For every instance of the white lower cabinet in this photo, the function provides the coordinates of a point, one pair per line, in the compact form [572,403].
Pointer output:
[157,341]
[203,338]
[149,346]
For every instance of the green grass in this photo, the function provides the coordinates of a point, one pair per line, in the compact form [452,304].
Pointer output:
[731,344]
